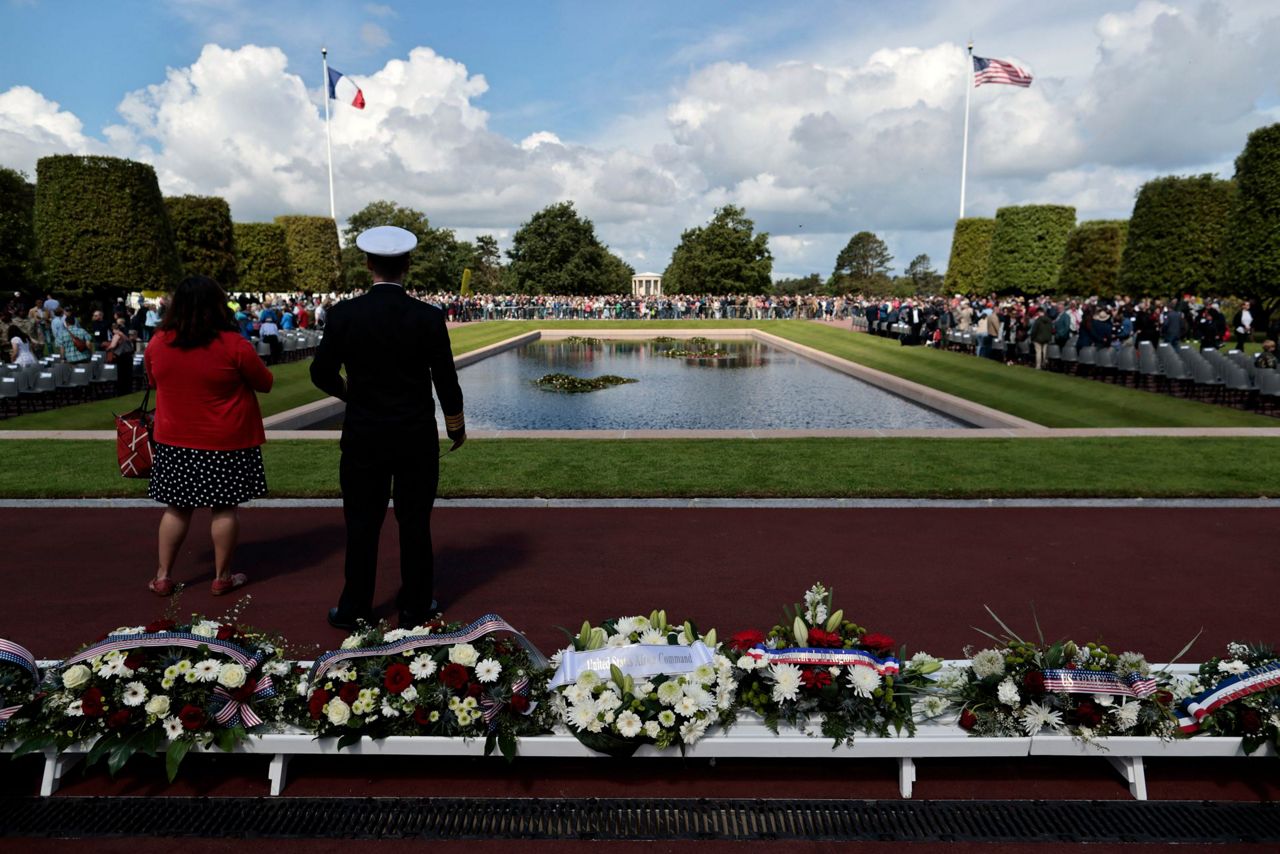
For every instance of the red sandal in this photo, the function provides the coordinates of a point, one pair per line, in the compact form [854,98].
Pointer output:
[161,586]
[223,586]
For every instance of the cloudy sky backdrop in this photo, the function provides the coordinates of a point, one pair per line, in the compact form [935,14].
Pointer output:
[822,120]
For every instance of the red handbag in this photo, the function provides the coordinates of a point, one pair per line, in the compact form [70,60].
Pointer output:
[133,440]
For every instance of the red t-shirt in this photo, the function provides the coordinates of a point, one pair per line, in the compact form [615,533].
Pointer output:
[205,395]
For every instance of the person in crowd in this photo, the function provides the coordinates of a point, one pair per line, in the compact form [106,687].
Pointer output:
[989,332]
[1062,328]
[99,329]
[72,341]
[208,427]
[1242,325]
[394,349]
[19,347]
[138,321]
[1042,334]
[1267,358]
[1208,329]
[120,349]
[269,333]
[151,321]
[244,322]
[287,320]
[1173,326]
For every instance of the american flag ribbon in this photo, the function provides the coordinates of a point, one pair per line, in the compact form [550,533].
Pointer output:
[232,711]
[487,624]
[17,654]
[1197,708]
[114,643]
[491,708]
[825,657]
[1098,682]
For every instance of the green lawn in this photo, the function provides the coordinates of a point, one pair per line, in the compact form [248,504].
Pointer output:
[916,468]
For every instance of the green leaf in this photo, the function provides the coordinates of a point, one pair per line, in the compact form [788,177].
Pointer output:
[348,738]
[100,748]
[507,743]
[34,745]
[119,755]
[175,754]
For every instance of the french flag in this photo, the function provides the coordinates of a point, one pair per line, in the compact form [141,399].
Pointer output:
[342,89]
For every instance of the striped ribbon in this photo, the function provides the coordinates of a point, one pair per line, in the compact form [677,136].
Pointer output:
[114,643]
[1098,682]
[233,712]
[491,708]
[825,657]
[1197,708]
[487,624]
[17,654]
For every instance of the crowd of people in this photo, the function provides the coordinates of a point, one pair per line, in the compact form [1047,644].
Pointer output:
[476,307]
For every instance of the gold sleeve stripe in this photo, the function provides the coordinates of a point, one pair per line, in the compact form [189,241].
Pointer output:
[455,422]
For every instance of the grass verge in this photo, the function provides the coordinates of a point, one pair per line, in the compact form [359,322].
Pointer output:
[1154,467]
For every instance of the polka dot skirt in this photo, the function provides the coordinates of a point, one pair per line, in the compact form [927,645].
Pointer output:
[188,477]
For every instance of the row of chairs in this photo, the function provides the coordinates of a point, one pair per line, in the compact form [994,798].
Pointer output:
[295,344]
[53,382]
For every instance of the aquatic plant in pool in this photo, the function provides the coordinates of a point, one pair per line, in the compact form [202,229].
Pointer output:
[578,385]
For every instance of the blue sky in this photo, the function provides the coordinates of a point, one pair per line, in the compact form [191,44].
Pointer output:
[821,118]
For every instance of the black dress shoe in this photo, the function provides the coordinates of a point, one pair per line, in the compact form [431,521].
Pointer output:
[340,621]
[410,619]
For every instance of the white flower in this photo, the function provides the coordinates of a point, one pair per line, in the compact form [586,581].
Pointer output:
[1132,662]
[339,712]
[75,677]
[863,680]
[469,702]
[158,705]
[113,665]
[628,724]
[1104,700]
[1126,715]
[724,696]
[352,641]
[172,728]
[231,675]
[615,641]
[1235,667]
[130,630]
[205,629]
[166,683]
[786,682]
[629,625]
[422,666]
[204,671]
[589,678]
[488,670]
[409,694]
[653,637]
[275,667]
[360,707]
[583,715]
[464,654]
[652,728]
[750,662]
[1236,649]
[302,689]
[669,693]
[395,635]
[388,710]
[933,705]
[922,658]
[184,666]
[135,694]
[644,688]
[705,674]
[1036,717]
[989,662]
[694,730]
[577,693]
[667,718]
[75,709]
[687,707]
[608,701]
[1007,693]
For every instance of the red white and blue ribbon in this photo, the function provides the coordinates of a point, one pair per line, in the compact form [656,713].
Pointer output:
[1098,682]
[491,708]
[1197,708]
[803,656]
[488,624]
[232,712]
[16,654]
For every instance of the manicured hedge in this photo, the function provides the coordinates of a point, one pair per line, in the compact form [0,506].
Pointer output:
[1027,247]
[313,252]
[18,262]
[101,226]
[1176,237]
[970,254]
[1252,255]
[262,259]
[1091,263]
[204,237]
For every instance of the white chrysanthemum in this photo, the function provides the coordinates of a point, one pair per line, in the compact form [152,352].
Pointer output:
[303,688]
[488,670]
[750,662]
[184,666]
[339,712]
[583,715]
[631,625]
[158,706]
[694,729]
[409,694]
[615,641]
[205,671]
[786,682]
[653,637]
[395,635]
[1234,667]
[1104,700]
[76,676]
[577,693]
[1126,715]
[923,658]
[1007,693]
[724,695]
[1132,662]
[864,681]
[129,630]
[1036,717]
[686,707]
[172,728]
[352,641]
[652,728]
[628,724]
[361,707]
[75,709]
[700,696]
[368,695]
[608,701]
[1235,649]
[643,688]
[166,683]
[422,666]
[989,662]
[388,710]
[275,667]
[135,694]
[231,675]
[704,674]
[205,629]
[669,693]
[933,705]
[589,678]
[667,718]
[470,702]
[464,654]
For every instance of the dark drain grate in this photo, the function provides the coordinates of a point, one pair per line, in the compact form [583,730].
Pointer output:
[492,818]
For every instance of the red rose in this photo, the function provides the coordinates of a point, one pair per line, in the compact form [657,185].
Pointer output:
[878,642]
[1163,697]
[349,692]
[1071,665]
[134,660]
[474,689]
[1033,681]
[397,677]
[746,640]
[817,637]
[1250,721]
[226,632]
[968,720]
[815,677]
[453,675]
[1088,714]
[118,719]
[421,716]
[91,703]
[192,717]
[316,704]
[245,692]
[519,703]
[159,626]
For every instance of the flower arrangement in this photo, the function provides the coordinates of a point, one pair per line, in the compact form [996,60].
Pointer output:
[1023,688]
[815,662]
[162,687]
[1236,695]
[616,688]
[19,676]
[438,679]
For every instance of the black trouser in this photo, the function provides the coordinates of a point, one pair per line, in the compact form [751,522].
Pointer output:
[273,342]
[374,470]
[124,374]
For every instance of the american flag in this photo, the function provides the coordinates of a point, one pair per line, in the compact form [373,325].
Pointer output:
[998,71]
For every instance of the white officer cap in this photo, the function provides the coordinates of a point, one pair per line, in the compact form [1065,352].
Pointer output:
[387,240]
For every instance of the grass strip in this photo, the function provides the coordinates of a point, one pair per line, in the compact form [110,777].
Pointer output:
[1154,467]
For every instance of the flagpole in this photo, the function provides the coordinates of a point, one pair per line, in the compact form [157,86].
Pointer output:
[328,138]
[964,157]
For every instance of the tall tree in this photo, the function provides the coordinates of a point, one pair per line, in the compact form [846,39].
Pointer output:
[487,278]
[1252,253]
[18,259]
[864,260]
[437,263]
[557,252]
[922,275]
[725,256]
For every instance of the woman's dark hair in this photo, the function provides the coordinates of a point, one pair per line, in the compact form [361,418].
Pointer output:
[15,332]
[197,313]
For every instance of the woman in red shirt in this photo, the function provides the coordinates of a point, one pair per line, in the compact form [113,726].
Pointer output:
[208,428]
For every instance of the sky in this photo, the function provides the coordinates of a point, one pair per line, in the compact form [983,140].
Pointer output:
[822,119]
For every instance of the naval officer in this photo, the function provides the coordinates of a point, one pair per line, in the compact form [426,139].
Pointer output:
[394,348]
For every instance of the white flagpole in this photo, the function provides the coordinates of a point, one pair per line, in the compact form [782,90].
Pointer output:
[964,162]
[328,139]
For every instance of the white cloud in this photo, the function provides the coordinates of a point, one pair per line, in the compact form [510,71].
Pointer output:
[32,126]
[373,36]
